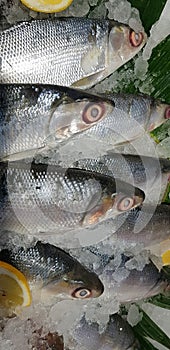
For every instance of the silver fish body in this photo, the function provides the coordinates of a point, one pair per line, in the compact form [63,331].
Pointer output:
[126,282]
[144,172]
[139,284]
[134,230]
[66,51]
[132,116]
[41,198]
[34,118]
[118,335]
[55,269]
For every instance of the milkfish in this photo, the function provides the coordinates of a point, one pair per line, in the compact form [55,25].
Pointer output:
[133,229]
[144,172]
[139,284]
[118,335]
[41,198]
[132,117]
[34,118]
[53,270]
[66,51]
[129,283]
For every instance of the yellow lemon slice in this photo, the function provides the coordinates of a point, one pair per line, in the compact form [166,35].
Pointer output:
[166,258]
[14,289]
[47,6]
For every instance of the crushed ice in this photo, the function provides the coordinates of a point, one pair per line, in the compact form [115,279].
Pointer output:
[64,315]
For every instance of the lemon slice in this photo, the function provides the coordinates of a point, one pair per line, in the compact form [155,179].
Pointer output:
[166,258]
[14,289]
[47,6]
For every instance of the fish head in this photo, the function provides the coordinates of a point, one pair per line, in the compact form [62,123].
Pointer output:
[124,43]
[78,283]
[160,113]
[74,117]
[83,283]
[125,197]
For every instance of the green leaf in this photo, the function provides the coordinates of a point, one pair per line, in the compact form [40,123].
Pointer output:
[144,343]
[166,198]
[161,134]
[166,272]
[148,328]
[150,11]
[159,70]
[161,301]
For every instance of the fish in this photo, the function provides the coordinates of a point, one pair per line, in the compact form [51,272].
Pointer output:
[43,198]
[129,283]
[34,118]
[132,117]
[118,334]
[144,172]
[66,51]
[53,270]
[134,230]
[38,118]
[139,285]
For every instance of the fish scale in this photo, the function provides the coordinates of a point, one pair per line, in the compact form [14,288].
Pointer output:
[132,168]
[64,51]
[34,199]
[37,118]
[32,116]
[133,116]
[55,39]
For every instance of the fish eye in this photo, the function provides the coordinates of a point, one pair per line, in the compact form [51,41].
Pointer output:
[135,38]
[167,113]
[81,293]
[125,203]
[93,112]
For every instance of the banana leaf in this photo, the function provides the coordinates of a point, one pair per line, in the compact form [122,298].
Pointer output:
[148,328]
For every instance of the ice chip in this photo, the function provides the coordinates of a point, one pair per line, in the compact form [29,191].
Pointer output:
[122,12]
[163,148]
[134,316]
[141,68]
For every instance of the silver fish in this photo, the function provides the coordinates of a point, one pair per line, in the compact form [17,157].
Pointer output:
[140,284]
[66,51]
[51,268]
[41,198]
[155,231]
[129,284]
[118,335]
[35,118]
[143,172]
[132,117]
